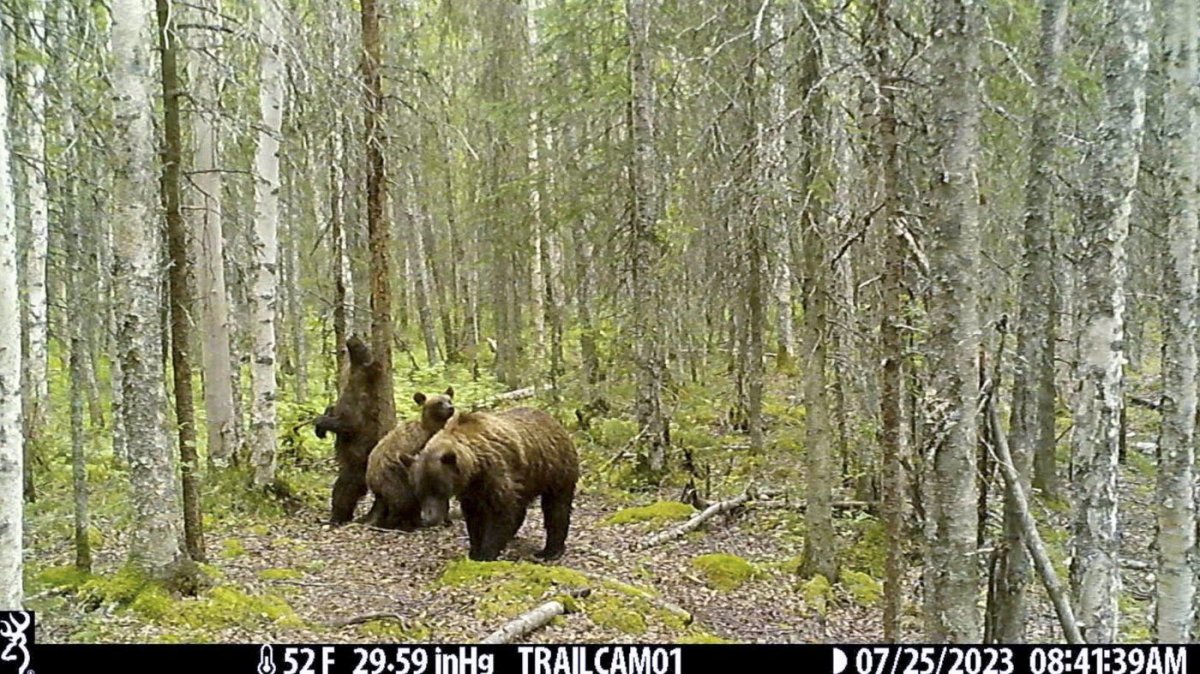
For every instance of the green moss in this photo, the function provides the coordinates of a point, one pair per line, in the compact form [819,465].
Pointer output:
[723,571]
[63,577]
[663,511]
[280,574]
[816,592]
[121,588]
[866,590]
[701,638]
[391,631]
[615,612]
[506,589]
[232,548]
[153,603]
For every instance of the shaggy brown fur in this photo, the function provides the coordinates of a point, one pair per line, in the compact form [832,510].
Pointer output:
[496,464]
[396,506]
[359,418]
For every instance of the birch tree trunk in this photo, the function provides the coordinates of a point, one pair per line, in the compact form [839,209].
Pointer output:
[265,244]
[343,294]
[1176,444]
[1103,229]
[417,263]
[951,573]
[12,437]
[646,249]
[39,236]
[76,358]
[775,164]
[1033,385]
[208,245]
[155,544]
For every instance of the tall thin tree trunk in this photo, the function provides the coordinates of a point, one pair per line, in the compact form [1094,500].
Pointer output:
[181,287]
[36,389]
[12,437]
[78,378]
[951,571]
[1034,377]
[221,421]
[417,265]
[378,229]
[646,249]
[265,244]
[155,548]
[1103,230]
[343,294]
[1176,452]
[892,436]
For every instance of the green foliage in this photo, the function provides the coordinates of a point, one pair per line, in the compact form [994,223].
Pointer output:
[663,511]
[232,548]
[724,571]
[868,552]
[613,433]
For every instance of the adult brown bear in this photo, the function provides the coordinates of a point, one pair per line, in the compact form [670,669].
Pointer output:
[496,464]
[396,505]
[361,416]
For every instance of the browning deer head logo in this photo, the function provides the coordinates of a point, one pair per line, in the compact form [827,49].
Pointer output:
[14,627]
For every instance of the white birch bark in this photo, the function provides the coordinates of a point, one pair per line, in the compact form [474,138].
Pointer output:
[11,434]
[951,573]
[1103,229]
[155,546]
[221,422]
[265,244]
[39,232]
[1176,498]
[775,167]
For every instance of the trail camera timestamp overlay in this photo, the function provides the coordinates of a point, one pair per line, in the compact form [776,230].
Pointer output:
[1012,660]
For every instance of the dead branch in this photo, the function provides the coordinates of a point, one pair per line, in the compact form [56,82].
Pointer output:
[695,521]
[530,621]
[802,504]
[1033,540]
[369,617]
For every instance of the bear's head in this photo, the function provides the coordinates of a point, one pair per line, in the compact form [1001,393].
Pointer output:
[359,406]
[436,409]
[443,469]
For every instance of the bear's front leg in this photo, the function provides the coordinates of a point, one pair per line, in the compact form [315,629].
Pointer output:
[497,532]
[475,523]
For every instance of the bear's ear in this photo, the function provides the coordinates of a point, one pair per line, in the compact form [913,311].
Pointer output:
[419,398]
[449,391]
[450,459]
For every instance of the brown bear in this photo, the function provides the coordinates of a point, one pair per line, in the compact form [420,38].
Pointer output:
[361,416]
[496,464]
[396,506]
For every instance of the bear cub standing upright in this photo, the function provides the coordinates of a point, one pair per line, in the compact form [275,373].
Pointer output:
[496,464]
[396,505]
[361,416]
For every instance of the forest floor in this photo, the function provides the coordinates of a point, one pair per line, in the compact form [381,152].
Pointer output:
[285,576]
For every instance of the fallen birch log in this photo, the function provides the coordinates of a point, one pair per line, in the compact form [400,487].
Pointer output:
[510,396]
[530,621]
[694,522]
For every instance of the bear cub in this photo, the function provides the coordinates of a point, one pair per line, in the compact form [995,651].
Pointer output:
[396,505]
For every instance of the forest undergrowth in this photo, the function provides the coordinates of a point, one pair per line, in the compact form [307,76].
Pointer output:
[278,573]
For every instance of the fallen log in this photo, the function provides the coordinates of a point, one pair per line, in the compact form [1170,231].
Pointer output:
[510,396]
[530,621]
[802,504]
[695,521]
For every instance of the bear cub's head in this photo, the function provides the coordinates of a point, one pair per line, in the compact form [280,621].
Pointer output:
[436,409]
